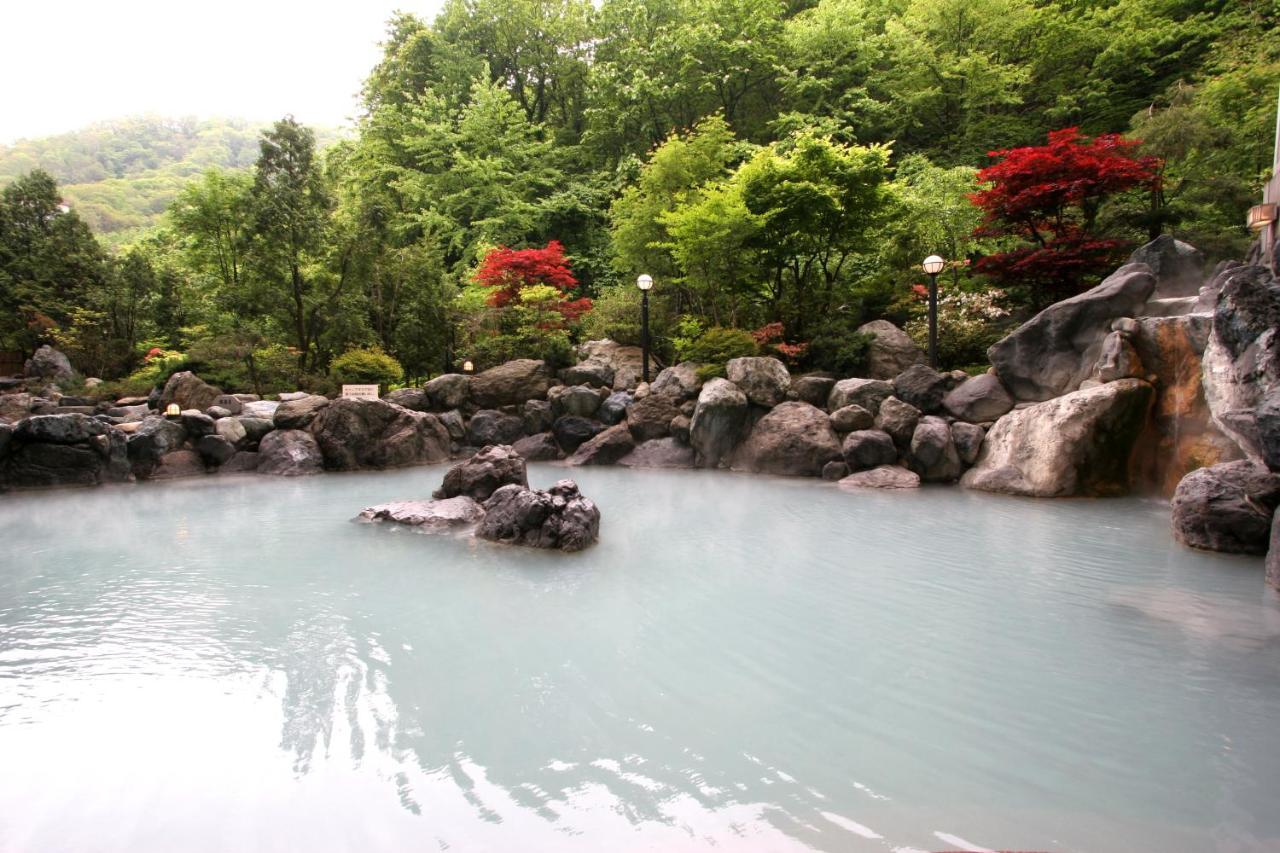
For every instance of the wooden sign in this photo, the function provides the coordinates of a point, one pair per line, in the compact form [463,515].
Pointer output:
[368,391]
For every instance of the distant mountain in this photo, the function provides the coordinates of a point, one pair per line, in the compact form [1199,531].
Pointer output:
[121,175]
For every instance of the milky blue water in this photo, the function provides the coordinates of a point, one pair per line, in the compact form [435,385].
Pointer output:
[742,663]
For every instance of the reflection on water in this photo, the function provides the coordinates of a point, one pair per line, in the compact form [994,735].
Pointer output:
[743,663]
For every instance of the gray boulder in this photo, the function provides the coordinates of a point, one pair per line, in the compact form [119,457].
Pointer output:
[289,453]
[453,424]
[968,440]
[450,514]
[625,360]
[416,399]
[559,518]
[231,430]
[813,388]
[484,473]
[215,449]
[576,400]
[572,432]
[868,448]
[718,421]
[1268,420]
[355,433]
[851,418]
[538,416]
[680,381]
[606,448]
[680,426]
[933,452]
[890,351]
[660,453]
[899,420]
[883,477]
[40,465]
[1177,266]
[255,429]
[793,439]
[243,462]
[1118,359]
[450,391]
[1273,552]
[835,470]
[1227,507]
[490,426]
[50,364]
[978,399]
[922,387]
[230,402]
[763,379]
[262,409]
[538,448]
[59,429]
[597,374]
[511,384]
[188,391]
[1079,444]
[196,423]
[153,438]
[1054,351]
[614,409]
[177,464]
[651,417]
[867,393]
[15,407]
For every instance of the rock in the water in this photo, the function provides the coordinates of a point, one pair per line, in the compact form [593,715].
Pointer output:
[933,452]
[763,379]
[968,440]
[215,449]
[289,453]
[651,417]
[614,409]
[883,477]
[813,388]
[1178,266]
[899,419]
[868,448]
[490,426]
[484,473]
[1078,444]
[605,449]
[510,384]
[299,413]
[717,422]
[867,393]
[1227,507]
[572,432]
[243,461]
[40,465]
[538,448]
[356,433]
[188,391]
[680,381]
[1054,351]
[978,399]
[836,470]
[558,518]
[49,363]
[576,400]
[891,350]
[179,463]
[923,387]
[794,439]
[450,391]
[851,418]
[659,453]
[456,513]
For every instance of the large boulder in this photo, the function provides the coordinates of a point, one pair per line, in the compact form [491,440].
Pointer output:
[1227,507]
[596,374]
[763,379]
[1268,418]
[604,449]
[923,387]
[215,449]
[538,448]
[883,477]
[717,422]
[680,381]
[868,448]
[24,463]
[890,350]
[177,464]
[260,409]
[232,430]
[15,407]
[490,426]
[49,364]
[1242,359]
[614,408]
[559,518]
[651,417]
[1056,350]
[660,453]
[449,391]
[195,423]
[852,417]
[933,451]
[1177,266]
[572,432]
[484,473]
[450,514]
[978,399]
[188,391]
[793,439]
[813,388]
[59,429]
[899,420]
[154,437]
[626,361]
[289,453]
[356,433]
[538,416]
[576,400]
[511,384]
[1078,444]
[867,393]
[968,440]
[1273,552]
[416,399]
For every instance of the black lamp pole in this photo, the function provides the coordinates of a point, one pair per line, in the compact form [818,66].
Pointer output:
[644,333]
[933,320]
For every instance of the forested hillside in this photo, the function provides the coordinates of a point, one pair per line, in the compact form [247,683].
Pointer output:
[122,175]
[780,169]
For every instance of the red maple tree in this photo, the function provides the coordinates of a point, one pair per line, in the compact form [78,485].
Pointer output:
[1050,196]
[507,270]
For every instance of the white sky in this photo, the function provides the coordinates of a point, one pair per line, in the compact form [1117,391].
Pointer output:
[66,63]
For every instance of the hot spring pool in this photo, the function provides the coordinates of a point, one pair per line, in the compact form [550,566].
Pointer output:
[743,663]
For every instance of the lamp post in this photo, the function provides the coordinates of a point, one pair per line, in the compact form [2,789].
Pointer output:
[932,266]
[645,283]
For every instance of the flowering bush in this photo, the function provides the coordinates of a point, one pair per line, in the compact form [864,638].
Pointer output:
[769,339]
[968,323]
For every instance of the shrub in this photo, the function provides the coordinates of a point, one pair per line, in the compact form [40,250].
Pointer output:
[715,345]
[366,366]
[968,323]
[838,347]
[553,347]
